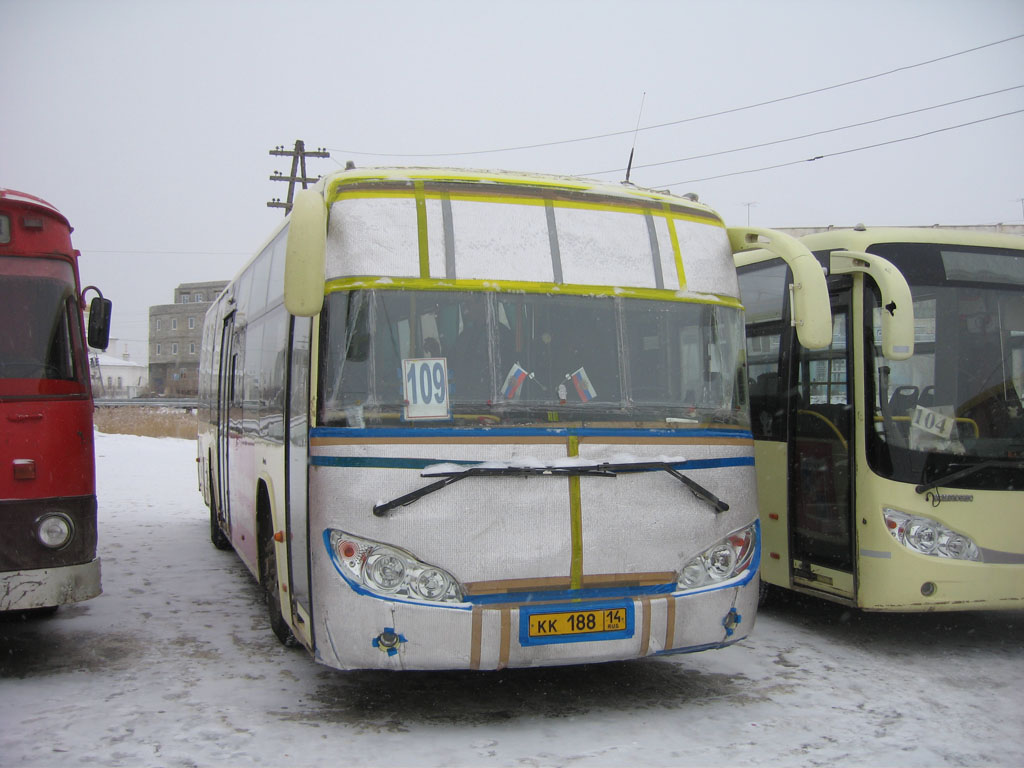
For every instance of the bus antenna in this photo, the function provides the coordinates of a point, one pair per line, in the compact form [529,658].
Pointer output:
[629,165]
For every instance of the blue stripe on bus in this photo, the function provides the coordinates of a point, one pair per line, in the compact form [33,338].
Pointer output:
[597,593]
[382,462]
[436,432]
[397,462]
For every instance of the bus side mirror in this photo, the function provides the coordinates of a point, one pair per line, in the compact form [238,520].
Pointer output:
[809,301]
[305,254]
[98,333]
[897,302]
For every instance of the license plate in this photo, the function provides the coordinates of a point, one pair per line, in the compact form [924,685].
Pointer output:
[554,624]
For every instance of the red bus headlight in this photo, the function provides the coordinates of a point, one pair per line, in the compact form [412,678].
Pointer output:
[55,530]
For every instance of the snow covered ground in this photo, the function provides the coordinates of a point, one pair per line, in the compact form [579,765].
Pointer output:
[174,665]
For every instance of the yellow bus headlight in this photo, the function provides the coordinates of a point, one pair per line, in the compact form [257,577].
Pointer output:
[929,537]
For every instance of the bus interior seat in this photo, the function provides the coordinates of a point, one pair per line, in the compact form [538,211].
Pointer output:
[903,400]
[927,398]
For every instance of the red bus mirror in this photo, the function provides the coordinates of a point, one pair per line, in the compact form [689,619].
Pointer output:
[99,321]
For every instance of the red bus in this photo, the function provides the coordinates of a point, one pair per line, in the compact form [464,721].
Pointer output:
[47,465]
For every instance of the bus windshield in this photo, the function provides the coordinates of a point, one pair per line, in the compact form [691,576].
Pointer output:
[41,338]
[521,358]
[959,398]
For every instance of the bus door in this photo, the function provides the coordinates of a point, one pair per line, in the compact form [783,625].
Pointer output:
[225,398]
[296,478]
[820,459]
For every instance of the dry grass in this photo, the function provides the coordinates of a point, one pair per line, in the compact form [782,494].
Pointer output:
[147,422]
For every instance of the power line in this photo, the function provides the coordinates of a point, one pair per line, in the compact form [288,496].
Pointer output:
[733,110]
[806,135]
[842,152]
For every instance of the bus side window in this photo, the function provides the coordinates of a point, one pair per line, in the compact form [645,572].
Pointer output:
[272,374]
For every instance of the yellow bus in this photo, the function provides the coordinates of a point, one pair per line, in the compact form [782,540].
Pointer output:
[888,480]
[475,420]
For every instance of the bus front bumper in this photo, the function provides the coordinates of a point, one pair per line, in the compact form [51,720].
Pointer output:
[367,633]
[49,587]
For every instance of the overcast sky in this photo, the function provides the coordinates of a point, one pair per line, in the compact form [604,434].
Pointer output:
[149,123]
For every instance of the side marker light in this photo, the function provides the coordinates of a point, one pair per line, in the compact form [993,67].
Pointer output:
[24,469]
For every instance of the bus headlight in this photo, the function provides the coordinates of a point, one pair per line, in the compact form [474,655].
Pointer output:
[724,560]
[389,571]
[928,537]
[55,530]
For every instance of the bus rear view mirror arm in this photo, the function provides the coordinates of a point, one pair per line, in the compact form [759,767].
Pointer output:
[898,319]
[812,316]
[305,254]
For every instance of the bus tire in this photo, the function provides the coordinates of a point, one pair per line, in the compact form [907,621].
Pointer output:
[29,614]
[268,573]
[218,538]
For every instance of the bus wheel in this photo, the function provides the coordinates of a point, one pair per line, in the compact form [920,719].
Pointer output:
[29,614]
[268,578]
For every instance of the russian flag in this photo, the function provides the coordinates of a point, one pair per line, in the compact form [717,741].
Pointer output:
[514,380]
[583,386]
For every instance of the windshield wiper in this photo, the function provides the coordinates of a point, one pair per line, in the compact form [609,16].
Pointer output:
[453,476]
[967,471]
[696,488]
[587,470]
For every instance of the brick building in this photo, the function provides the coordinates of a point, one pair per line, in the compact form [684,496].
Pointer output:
[175,335]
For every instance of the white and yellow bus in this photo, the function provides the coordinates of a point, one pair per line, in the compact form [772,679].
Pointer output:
[888,480]
[480,420]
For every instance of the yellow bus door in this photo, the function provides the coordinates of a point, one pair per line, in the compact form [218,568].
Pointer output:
[820,461]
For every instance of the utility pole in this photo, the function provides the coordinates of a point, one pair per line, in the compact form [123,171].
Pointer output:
[298,172]
[94,367]
[749,205]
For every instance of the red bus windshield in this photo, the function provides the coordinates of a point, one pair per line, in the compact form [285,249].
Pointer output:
[41,349]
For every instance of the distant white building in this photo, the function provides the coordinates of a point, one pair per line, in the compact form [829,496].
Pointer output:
[116,378]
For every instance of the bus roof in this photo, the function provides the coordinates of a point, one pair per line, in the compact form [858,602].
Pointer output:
[25,200]
[331,181]
[860,238]
[570,184]
[437,230]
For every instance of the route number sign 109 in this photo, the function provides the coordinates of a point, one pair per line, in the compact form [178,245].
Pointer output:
[425,388]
